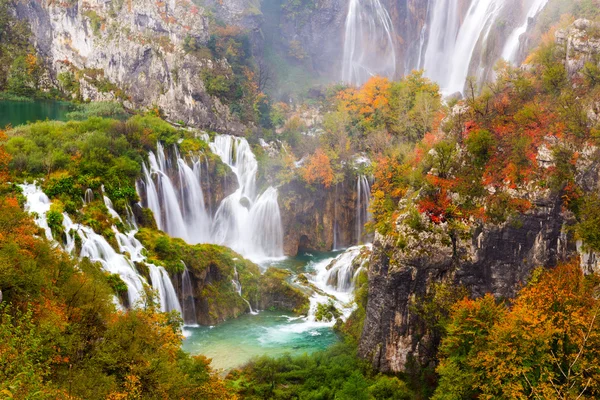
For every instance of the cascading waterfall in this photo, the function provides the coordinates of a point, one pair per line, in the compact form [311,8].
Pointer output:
[97,249]
[369,47]
[334,277]
[341,273]
[363,199]
[476,26]
[511,48]
[162,284]
[248,224]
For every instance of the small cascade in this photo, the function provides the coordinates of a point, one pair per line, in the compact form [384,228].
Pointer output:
[162,284]
[97,249]
[88,196]
[188,305]
[511,49]
[243,221]
[334,278]
[369,47]
[363,200]
[267,230]
[109,205]
[238,288]
[341,272]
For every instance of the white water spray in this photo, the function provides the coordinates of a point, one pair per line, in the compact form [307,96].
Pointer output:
[369,47]
[97,249]
[246,223]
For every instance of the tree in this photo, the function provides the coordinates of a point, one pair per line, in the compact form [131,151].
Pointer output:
[546,346]
[318,169]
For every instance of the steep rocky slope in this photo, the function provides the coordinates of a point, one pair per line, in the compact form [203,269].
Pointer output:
[486,257]
[133,50]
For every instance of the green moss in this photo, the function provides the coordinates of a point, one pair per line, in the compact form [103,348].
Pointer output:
[327,312]
[116,283]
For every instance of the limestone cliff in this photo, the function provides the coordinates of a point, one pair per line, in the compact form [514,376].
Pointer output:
[133,50]
[492,259]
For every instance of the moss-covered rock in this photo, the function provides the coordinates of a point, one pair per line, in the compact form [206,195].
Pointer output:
[277,293]
[215,272]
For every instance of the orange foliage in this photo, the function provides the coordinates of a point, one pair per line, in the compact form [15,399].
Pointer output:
[318,169]
[370,102]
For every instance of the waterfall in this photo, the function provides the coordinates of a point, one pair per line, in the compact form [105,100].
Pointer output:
[238,288]
[363,199]
[88,197]
[162,284]
[188,305]
[243,221]
[97,249]
[457,41]
[476,26]
[443,30]
[511,48]
[179,212]
[341,272]
[369,47]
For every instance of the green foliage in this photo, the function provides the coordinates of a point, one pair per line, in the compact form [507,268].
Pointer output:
[95,21]
[481,144]
[14,47]
[588,222]
[68,82]
[116,283]
[60,336]
[54,218]
[327,312]
[78,155]
[105,109]
[216,84]
[21,80]
[336,373]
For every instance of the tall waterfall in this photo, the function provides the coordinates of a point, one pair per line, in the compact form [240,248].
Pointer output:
[369,47]
[511,48]
[363,199]
[249,224]
[443,30]
[458,41]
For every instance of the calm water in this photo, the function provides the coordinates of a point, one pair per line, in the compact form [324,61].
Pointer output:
[21,112]
[271,333]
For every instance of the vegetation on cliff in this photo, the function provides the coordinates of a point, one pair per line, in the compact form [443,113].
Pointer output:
[61,336]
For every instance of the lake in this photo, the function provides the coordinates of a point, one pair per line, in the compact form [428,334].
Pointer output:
[20,112]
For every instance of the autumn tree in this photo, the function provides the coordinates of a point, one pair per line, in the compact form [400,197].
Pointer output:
[544,346]
[318,169]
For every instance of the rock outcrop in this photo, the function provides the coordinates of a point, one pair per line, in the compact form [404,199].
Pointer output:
[492,259]
[133,50]
[318,219]
[581,42]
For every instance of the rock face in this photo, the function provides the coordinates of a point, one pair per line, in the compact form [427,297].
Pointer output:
[582,45]
[318,219]
[132,49]
[496,259]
